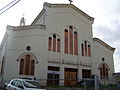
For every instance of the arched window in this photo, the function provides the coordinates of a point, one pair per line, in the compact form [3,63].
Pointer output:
[86,49]
[103,70]
[70,41]
[58,45]
[50,44]
[89,51]
[27,65]
[85,43]
[75,43]
[32,67]
[82,48]
[21,71]
[54,43]
[66,41]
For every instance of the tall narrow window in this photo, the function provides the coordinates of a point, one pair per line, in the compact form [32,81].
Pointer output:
[54,43]
[82,48]
[27,65]
[104,71]
[66,41]
[71,39]
[50,44]
[75,43]
[32,67]
[85,48]
[89,51]
[58,45]
[21,71]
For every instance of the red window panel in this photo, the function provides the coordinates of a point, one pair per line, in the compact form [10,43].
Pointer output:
[71,39]
[58,45]
[101,72]
[50,44]
[104,71]
[66,41]
[85,48]
[75,44]
[54,43]
[27,64]
[32,67]
[103,67]
[82,48]
[21,70]
[89,51]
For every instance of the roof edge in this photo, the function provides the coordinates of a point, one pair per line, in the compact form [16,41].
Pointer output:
[46,4]
[38,16]
[104,44]
[26,27]
[69,5]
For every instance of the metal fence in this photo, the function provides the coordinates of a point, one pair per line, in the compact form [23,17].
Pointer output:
[79,84]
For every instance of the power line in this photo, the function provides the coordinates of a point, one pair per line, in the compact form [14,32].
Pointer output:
[9,6]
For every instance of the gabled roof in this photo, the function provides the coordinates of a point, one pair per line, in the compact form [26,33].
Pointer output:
[61,6]
[104,44]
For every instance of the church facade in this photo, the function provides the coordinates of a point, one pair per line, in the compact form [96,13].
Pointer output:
[57,46]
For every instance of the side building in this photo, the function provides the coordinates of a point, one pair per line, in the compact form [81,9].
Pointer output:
[57,46]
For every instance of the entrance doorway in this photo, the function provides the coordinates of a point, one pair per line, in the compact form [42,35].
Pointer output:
[53,76]
[70,76]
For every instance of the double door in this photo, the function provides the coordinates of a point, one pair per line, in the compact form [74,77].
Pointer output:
[70,77]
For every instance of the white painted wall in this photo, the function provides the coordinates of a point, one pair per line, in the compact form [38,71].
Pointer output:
[56,20]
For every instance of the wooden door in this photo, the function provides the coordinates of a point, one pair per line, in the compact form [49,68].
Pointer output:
[67,78]
[73,77]
[70,77]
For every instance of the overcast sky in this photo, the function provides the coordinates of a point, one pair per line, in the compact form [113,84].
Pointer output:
[106,13]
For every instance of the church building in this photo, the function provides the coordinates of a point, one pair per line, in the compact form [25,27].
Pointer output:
[58,48]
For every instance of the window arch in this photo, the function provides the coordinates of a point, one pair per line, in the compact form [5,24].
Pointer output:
[27,64]
[66,41]
[86,49]
[103,67]
[70,41]
[54,43]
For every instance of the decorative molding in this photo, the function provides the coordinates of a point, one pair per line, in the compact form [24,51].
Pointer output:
[25,53]
[32,27]
[104,44]
[69,62]
[61,6]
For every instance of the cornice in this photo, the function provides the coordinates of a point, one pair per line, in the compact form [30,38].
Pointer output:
[21,28]
[104,44]
[49,5]
[69,6]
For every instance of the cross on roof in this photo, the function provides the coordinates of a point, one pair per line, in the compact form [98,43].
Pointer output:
[70,1]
